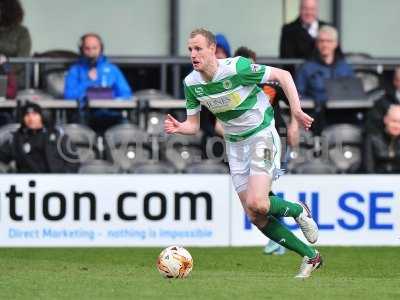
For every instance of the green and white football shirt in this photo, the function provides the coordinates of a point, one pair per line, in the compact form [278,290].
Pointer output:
[232,96]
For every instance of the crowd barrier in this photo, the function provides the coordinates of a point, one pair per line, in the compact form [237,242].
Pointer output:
[33,65]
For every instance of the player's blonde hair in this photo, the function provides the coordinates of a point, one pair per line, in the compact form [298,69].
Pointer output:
[210,37]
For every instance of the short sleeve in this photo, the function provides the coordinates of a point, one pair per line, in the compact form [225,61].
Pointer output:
[250,73]
[192,104]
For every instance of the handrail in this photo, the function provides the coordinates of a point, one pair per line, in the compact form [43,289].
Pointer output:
[182,60]
[33,63]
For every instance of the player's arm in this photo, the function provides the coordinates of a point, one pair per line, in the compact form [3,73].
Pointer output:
[288,86]
[190,126]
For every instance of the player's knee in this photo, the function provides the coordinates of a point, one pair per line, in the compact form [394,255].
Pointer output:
[257,205]
[259,220]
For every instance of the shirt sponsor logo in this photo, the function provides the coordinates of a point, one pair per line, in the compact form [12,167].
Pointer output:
[224,103]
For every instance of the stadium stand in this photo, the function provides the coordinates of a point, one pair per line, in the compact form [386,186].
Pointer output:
[98,167]
[207,166]
[154,167]
[126,146]
[84,139]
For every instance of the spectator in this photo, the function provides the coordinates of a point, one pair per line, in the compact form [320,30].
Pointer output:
[10,89]
[327,62]
[377,112]
[298,37]
[15,40]
[37,148]
[5,70]
[93,70]
[223,47]
[383,147]
[246,52]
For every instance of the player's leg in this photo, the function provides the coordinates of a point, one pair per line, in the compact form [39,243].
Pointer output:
[272,247]
[239,162]
[256,206]
[262,171]
[266,157]
[276,231]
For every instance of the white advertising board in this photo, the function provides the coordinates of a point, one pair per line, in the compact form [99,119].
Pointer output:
[191,210]
[120,210]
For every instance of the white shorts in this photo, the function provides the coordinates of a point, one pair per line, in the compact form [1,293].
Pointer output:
[258,154]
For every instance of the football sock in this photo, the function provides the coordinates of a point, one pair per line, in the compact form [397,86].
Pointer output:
[282,208]
[277,232]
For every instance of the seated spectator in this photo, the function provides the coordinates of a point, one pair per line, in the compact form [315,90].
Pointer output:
[382,149]
[298,37]
[15,40]
[377,112]
[327,62]
[37,148]
[93,70]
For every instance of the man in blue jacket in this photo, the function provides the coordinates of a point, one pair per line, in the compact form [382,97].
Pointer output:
[327,63]
[93,70]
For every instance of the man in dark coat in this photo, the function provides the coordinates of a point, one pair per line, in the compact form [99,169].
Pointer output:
[374,119]
[298,37]
[37,148]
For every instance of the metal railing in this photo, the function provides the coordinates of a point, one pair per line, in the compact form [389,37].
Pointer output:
[32,66]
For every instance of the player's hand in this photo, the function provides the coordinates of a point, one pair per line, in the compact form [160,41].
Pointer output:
[303,119]
[171,125]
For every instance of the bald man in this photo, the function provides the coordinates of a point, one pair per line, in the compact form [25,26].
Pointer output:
[298,37]
[374,119]
[383,147]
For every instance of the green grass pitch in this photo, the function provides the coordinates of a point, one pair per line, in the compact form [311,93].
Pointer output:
[218,273]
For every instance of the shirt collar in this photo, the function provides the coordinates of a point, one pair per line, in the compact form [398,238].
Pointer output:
[313,29]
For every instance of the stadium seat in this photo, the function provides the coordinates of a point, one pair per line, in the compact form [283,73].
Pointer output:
[6,132]
[344,144]
[155,123]
[84,139]
[182,150]
[98,167]
[33,95]
[315,166]
[53,75]
[4,168]
[148,94]
[357,57]
[126,146]
[153,167]
[207,166]
[54,81]
[342,133]
[152,120]
[370,80]
[303,152]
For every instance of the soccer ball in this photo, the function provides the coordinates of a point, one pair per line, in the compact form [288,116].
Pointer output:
[175,262]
